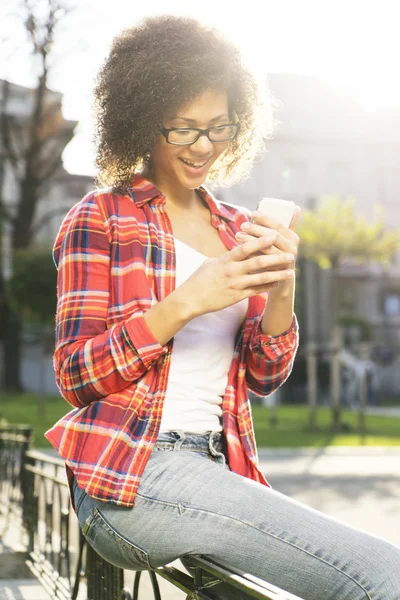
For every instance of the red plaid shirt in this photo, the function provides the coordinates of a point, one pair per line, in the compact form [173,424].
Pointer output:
[115,257]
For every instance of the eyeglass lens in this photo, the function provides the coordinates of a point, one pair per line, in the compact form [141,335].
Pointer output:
[216,134]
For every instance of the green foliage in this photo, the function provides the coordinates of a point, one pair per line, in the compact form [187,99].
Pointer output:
[334,232]
[33,285]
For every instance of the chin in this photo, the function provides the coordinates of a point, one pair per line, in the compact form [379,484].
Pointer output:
[193,183]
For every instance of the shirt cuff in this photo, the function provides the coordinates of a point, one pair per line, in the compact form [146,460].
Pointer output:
[142,341]
[287,338]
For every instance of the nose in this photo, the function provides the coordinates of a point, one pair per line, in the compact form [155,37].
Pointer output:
[202,146]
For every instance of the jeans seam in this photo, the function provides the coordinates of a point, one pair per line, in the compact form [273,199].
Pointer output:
[276,537]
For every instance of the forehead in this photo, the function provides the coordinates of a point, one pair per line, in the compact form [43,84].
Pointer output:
[206,106]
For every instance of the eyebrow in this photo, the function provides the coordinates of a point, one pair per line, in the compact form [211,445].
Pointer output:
[194,120]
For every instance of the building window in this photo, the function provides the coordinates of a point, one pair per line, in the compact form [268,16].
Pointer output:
[391,304]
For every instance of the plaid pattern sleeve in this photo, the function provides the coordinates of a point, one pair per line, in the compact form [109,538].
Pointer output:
[93,357]
[270,359]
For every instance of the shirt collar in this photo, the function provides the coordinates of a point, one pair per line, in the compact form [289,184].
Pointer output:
[142,191]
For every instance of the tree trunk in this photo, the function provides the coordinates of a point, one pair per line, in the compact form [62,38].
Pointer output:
[41,402]
[335,378]
[312,384]
[336,342]
[364,352]
[12,349]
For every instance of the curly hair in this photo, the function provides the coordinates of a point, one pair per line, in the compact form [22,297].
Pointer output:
[155,68]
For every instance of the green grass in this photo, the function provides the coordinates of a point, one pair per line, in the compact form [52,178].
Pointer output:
[290,432]
[23,408]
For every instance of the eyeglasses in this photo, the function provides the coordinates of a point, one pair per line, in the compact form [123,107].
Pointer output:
[185,137]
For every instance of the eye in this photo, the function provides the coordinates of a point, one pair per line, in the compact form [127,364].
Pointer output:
[220,127]
[223,132]
[184,131]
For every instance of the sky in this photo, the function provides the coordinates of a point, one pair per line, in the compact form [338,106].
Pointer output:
[352,44]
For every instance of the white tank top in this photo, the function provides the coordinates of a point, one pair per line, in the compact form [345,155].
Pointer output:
[200,361]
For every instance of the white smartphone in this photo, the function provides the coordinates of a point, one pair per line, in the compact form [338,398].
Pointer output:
[281,210]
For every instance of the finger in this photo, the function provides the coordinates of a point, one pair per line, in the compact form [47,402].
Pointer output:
[244,237]
[262,262]
[284,245]
[271,223]
[252,281]
[295,217]
[255,229]
[243,251]
[286,239]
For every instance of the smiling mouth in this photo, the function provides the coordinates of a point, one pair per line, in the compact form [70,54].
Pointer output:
[195,165]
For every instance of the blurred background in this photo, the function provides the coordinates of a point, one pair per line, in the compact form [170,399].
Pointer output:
[332,67]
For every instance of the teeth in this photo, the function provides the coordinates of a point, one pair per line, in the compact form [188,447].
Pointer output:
[196,165]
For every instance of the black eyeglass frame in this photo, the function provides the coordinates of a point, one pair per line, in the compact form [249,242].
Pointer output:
[201,132]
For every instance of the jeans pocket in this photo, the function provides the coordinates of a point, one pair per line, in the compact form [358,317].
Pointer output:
[113,546]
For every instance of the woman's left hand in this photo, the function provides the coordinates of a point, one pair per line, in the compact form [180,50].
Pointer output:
[286,242]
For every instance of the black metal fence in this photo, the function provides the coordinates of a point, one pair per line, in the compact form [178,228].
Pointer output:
[15,441]
[34,497]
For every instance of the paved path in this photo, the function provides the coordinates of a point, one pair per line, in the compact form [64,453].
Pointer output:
[384,411]
[22,589]
[360,486]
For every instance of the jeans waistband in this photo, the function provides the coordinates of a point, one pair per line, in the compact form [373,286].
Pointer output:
[212,441]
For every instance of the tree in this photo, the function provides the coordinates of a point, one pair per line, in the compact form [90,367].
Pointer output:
[332,234]
[32,149]
[36,303]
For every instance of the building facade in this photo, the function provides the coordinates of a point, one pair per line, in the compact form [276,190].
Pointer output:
[326,144]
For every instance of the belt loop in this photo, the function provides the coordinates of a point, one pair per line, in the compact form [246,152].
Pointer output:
[211,448]
[219,455]
[179,442]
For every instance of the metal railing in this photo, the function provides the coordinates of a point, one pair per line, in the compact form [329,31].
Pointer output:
[14,443]
[34,490]
[56,546]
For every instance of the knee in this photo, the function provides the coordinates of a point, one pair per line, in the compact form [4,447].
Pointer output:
[384,572]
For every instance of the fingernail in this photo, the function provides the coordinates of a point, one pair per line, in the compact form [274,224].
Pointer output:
[239,235]
[290,273]
[245,225]
[256,213]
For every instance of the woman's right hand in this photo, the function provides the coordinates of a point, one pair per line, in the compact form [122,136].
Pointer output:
[235,276]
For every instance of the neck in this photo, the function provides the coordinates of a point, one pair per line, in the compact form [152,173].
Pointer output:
[177,197]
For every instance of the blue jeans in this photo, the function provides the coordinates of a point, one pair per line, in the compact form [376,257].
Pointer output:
[190,503]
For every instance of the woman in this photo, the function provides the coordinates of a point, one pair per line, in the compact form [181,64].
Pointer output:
[171,307]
